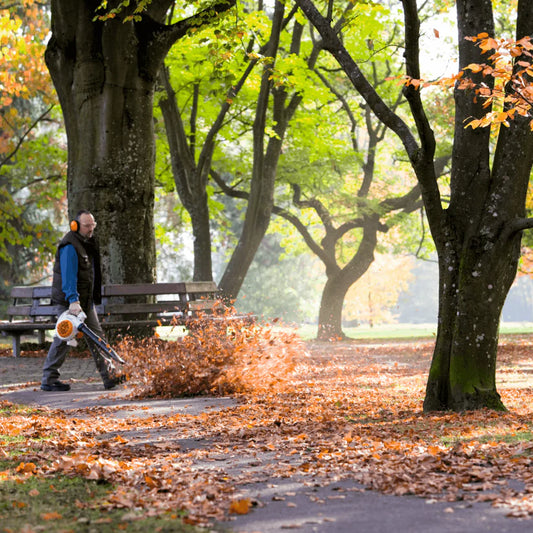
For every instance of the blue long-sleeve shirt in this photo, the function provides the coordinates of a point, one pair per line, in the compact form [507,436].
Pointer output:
[68,261]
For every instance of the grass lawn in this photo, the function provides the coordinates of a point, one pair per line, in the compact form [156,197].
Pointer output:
[407,331]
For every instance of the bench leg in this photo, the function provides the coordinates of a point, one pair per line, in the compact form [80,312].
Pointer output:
[16,345]
[41,336]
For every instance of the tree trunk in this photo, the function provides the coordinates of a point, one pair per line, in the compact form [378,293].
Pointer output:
[331,304]
[261,198]
[477,246]
[104,74]
[107,107]
[339,282]
[190,180]
[478,236]
[473,285]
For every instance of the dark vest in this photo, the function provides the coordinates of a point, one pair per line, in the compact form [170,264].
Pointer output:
[89,276]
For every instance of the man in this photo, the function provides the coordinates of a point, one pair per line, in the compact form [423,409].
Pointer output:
[77,286]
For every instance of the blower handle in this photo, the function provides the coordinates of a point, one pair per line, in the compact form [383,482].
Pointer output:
[101,343]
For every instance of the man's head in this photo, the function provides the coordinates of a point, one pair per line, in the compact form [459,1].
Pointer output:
[86,224]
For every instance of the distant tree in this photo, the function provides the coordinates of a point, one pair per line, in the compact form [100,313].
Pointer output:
[200,83]
[374,298]
[264,120]
[280,285]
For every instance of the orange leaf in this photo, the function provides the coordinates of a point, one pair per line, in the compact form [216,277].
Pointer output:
[433,450]
[240,506]
[150,482]
[474,67]
[26,467]
[51,516]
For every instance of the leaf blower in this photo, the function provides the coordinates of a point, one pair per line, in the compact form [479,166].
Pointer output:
[70,326]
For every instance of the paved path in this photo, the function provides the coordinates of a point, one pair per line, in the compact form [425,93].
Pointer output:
[20,381]
[280,504]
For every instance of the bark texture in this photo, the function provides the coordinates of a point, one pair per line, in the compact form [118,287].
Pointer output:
[478,250]
[104,74]
[261,198]
[191,180]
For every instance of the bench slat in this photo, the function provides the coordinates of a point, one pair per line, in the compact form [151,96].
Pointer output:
[42,291]
[28,327]
[19,310]
[160,307]
[21,292]
[201,305]
[142,289]
[152,323]
[46,310]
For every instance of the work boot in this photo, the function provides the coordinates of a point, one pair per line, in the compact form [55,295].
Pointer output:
[55,386]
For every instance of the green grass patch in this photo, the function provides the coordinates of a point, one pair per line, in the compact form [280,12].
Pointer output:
[381,331]
[8,409]
[62,504]
[9,439]
[504,438]
[364,332]
[405,331]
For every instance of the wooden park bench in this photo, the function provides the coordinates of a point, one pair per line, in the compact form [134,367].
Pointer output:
[141,304]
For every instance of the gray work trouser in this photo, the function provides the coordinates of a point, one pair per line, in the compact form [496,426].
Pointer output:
[59,349]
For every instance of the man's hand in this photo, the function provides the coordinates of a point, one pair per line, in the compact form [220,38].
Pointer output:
[74,308]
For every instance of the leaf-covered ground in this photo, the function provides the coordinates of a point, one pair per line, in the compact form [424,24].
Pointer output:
[322,411]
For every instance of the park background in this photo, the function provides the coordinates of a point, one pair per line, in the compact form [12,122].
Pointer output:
[284,280]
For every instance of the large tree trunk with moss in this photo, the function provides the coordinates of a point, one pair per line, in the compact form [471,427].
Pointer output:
[106,98]
[104,73]
[477,235]
[478,241]
[475,278]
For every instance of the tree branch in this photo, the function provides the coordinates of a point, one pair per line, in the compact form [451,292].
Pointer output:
[304,232]
[26,133]
[158,38]
[412,67]
[516,225]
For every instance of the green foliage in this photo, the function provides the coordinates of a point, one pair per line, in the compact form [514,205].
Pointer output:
[324,150]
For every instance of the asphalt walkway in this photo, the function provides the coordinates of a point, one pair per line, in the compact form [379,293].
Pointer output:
[280,504]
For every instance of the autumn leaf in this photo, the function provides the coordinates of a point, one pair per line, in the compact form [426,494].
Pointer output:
[240,506]
[19,505]
[51,516]
[474,67]
[151,482]
[27,468]
[434,450]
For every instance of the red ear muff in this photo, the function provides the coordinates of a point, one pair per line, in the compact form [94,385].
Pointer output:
[74,225]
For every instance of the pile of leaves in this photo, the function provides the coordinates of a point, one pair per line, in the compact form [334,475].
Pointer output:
[220,357]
